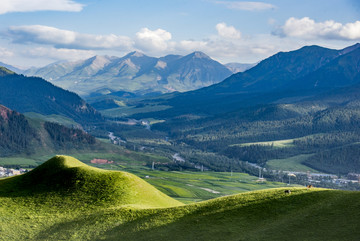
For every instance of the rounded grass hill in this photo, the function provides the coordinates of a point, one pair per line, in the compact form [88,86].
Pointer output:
[64,199]
[67,178]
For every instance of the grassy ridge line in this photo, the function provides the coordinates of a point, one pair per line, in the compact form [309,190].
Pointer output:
[261,215]
[317,214]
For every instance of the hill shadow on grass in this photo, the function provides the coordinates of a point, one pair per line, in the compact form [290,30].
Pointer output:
[309,215]
[261,215]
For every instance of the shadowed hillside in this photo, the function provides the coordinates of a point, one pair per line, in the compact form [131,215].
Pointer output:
[32,94]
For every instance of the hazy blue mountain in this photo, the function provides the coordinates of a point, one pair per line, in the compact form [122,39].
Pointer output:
[279,70]
[34,94]
[192,71]
[135,72]
[342,71]
[12,68]
[238,67]
[66,74]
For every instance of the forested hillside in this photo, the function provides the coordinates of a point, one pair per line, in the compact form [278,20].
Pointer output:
[33,94]
[19,135]
[16,135]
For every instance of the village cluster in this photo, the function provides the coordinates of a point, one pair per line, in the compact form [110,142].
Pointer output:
[9,172]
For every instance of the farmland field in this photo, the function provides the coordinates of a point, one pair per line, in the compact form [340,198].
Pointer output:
[290,164]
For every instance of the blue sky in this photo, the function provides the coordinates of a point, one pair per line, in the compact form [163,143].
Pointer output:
[38,32]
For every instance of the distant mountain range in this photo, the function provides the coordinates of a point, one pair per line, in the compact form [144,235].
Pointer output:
[137,73]
[294,75]
[34,94]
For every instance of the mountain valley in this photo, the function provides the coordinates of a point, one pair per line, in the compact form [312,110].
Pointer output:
[308,95]
[291,120]
[179,120]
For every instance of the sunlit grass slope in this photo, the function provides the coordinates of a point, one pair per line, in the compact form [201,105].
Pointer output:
[66,178]
[38,206]
[261,215]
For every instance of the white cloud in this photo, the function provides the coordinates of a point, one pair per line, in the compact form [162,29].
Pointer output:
[247,6]
[229,32]
[66,39]
[157,40]
[58,54]
[8,6]
[307,28]
[65,44]
[226,43]
[5,53]
[192,45]
[229,50]
[48,43]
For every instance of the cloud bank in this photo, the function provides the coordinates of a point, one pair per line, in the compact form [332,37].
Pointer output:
[307,28]
[54,43]
[227,44]
[60,38]
[8,6]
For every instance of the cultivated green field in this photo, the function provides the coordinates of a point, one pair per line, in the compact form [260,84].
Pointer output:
[21,161]
[189,187]
[67,200]
[276,144]
[290,164]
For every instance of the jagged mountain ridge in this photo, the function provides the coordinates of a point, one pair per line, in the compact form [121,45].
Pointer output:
[135,72]
[296,74]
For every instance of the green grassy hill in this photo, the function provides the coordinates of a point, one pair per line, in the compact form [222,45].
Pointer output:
[64,199]
[67,178]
